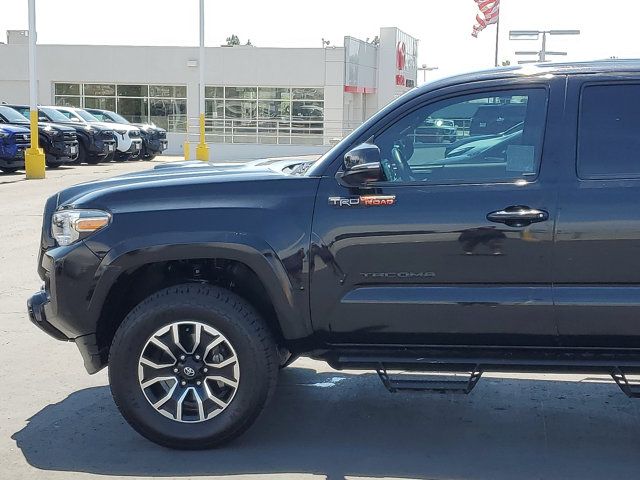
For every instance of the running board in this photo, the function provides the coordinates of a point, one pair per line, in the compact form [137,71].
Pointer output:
[395,384]
[631,390]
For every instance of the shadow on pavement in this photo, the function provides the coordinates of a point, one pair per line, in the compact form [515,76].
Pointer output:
[339,425]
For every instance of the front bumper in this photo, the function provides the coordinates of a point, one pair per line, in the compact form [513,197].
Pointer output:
[16,160]
[132,152]
[63,151]
[102,148]
[154,146]
[60,309]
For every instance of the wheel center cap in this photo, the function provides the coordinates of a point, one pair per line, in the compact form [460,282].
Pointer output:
[189,372]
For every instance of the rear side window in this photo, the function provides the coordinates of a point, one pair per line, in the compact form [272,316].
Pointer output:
[609,132]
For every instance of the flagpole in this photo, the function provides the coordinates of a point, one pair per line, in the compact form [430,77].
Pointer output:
[497,39]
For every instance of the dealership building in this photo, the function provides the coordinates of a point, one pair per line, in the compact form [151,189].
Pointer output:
[258,101]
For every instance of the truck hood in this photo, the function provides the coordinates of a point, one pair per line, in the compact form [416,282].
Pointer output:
[117,127]
[5,127]
[160,183]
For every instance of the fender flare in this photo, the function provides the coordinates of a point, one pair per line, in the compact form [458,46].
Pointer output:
[250,250]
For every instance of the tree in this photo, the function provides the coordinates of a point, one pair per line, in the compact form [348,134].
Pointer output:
[233,40]
[249,44]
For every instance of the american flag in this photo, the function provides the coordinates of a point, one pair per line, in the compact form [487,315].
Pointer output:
[489,12]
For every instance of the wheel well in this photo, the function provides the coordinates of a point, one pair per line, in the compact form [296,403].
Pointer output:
[136,284]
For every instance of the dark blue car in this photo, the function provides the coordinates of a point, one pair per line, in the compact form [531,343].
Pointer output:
[14,140]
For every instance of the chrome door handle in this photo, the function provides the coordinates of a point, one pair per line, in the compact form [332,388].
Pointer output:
[518,216]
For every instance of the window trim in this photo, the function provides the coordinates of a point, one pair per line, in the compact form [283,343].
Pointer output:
[583,86]
[478,91]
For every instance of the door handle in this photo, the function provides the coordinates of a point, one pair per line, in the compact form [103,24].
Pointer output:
[518,216]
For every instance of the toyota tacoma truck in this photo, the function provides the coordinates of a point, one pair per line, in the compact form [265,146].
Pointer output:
[14,140]
[154,139]
[195,285]
[95,142]
[59,142]
[128,141]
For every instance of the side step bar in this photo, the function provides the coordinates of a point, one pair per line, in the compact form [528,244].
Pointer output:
[428,385]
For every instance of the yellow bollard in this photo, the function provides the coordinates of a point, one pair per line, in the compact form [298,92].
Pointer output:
[202,150]
[187,149]
[34,156]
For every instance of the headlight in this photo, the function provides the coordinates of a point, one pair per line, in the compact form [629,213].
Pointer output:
[88,128]
[69,226]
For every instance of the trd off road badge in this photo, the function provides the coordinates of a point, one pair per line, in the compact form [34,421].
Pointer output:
[363,201]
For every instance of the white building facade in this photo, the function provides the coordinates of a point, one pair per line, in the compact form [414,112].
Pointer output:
[259,101]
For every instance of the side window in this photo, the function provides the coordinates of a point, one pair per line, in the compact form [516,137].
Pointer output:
[609,132]
[480,138]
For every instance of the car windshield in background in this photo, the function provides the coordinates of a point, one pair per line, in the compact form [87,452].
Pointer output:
[86,115]
[11,116]
[114,117]
[54,115]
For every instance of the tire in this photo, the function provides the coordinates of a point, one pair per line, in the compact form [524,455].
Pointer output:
[190,307]
[9,169]
[53,165]
[148,158]
[93,159]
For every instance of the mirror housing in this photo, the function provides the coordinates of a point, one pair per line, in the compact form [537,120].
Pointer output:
[362,165]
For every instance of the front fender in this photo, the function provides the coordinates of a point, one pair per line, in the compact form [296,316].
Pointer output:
[290,303]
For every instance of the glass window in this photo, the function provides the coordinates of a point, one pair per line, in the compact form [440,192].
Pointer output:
[108,103]
[274,93]
[240,109]
[308,94]
[170,114]
[241,92]
[177,91]
[135,110]
[213,92]
[68,101]
[67,89]
[471,139]
[133,90]
[53,115]
[99,89]
[608,132]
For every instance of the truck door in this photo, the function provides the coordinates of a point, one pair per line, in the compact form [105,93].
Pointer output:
[454,245]
[597,255]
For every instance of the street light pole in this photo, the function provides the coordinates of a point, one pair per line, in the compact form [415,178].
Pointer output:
[202,150]
[34,156]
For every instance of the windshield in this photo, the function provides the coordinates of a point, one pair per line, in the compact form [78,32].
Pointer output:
[11,116]
[54,115]
[85,115]
[114,117]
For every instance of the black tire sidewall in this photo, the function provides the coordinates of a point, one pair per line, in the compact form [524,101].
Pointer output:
[254,382]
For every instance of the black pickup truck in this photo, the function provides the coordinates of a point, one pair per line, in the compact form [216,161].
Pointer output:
[59,142]
[511,251]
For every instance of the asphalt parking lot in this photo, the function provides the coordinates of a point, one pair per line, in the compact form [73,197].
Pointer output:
[59,422]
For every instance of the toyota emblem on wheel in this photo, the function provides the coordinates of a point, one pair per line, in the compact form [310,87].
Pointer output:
[189,372]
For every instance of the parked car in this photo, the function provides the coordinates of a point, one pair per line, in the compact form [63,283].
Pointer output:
[128,141]
[154,139]
[14,140]
[60,143]
[95,142]
[195,285]
[436,131]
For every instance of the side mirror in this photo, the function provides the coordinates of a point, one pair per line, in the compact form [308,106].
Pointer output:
[362,165]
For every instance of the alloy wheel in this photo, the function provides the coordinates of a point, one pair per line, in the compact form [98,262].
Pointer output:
[188,371]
